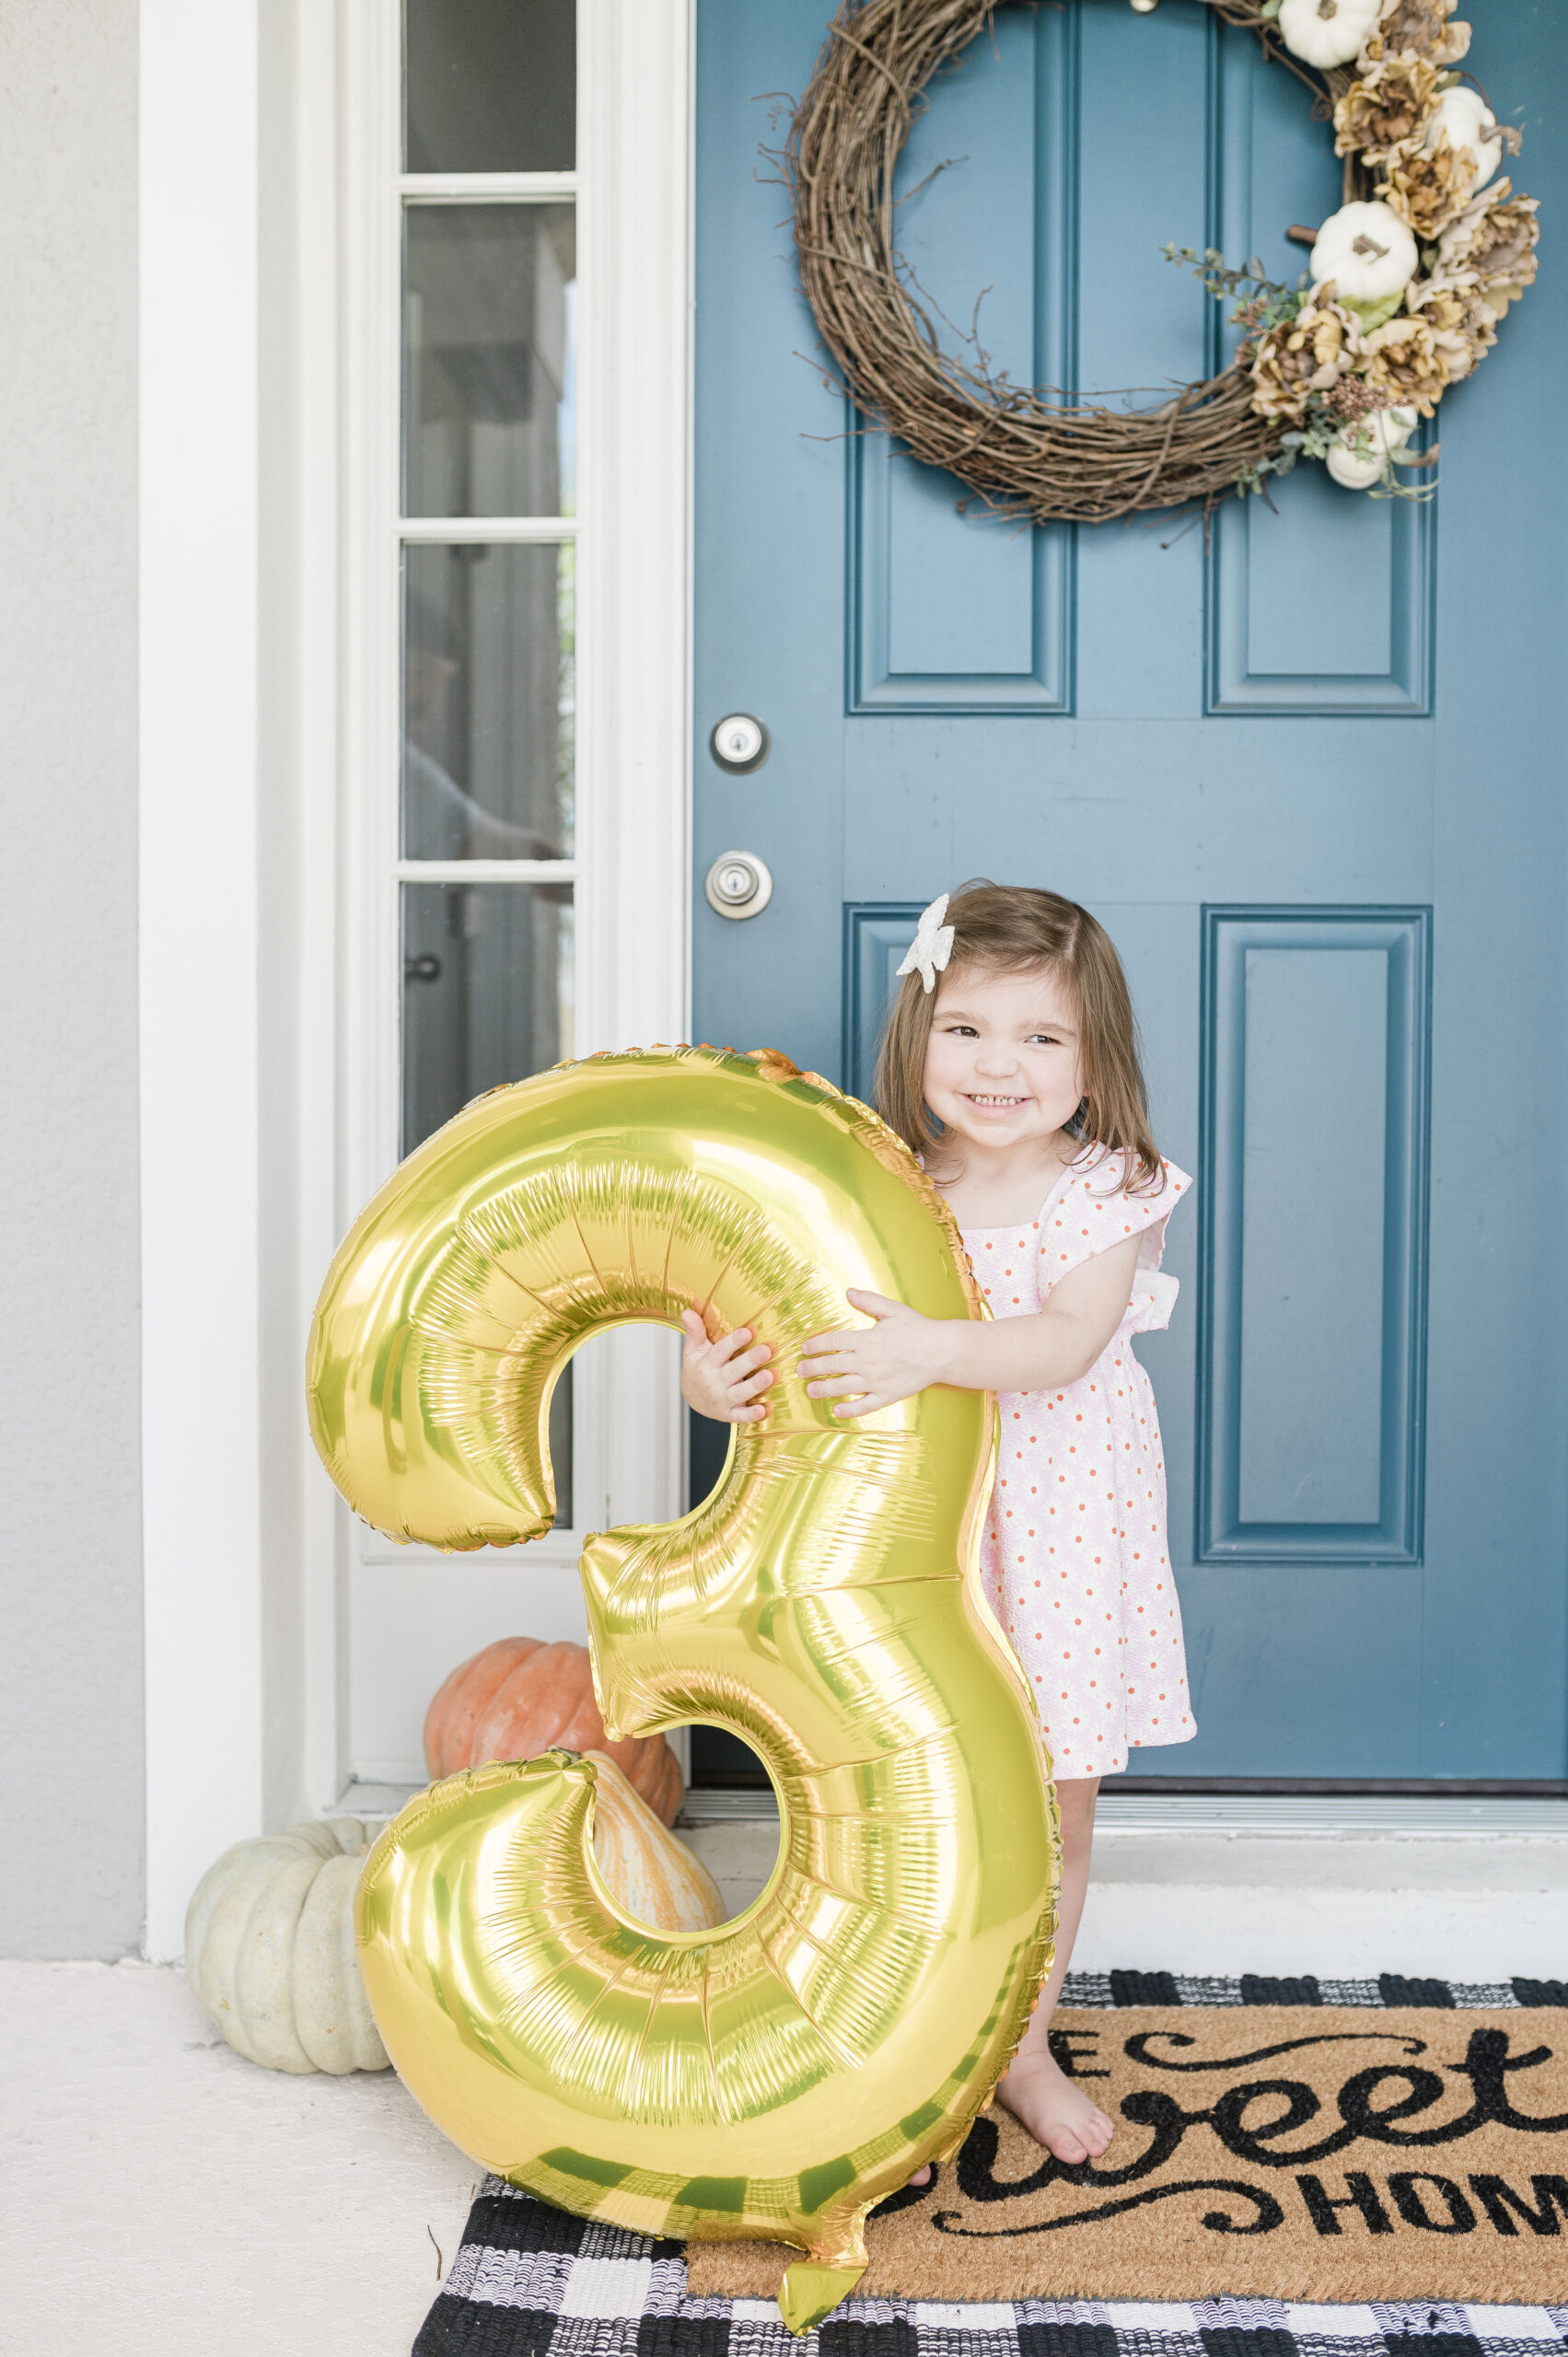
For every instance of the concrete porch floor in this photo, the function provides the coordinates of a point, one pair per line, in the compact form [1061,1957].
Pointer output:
[162,2198]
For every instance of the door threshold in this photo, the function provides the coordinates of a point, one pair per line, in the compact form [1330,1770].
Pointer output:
[1222,1807]
[1227,1811]
[1415,1815]
[730,1805]
[1514,1788]
[372,1799]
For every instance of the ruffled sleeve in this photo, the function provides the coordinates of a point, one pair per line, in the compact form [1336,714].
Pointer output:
[1090,1216]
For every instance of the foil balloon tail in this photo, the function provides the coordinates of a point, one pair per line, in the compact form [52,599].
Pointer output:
[779,2075]
[810,2293]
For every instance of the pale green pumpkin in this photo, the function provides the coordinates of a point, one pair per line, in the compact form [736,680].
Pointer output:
[269,1953]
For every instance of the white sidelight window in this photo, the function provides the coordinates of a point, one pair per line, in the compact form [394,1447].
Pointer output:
[489,859]
[486,526]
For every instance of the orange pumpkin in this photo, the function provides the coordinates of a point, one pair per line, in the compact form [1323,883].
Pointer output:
[520,1697]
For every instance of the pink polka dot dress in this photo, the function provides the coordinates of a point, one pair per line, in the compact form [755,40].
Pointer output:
[1074,1561]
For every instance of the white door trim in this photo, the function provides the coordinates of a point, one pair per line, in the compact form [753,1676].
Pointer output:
[635,437]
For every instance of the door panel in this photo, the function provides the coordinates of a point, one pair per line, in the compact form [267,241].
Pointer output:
[1336,620]
[1334,616]
[1000,641]
[1311,1350]
[991,171]
[1306,769]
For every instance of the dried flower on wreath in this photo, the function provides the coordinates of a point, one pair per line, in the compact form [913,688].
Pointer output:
[1351,398]
[1304,355]
[1382,115]
[1420,29]
[1431,188]
[1492,246]
[1463,324]
[1403,364]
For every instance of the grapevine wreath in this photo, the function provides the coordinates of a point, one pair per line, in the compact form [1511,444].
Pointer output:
[1405,289]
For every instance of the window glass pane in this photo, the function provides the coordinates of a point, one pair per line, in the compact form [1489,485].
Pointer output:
[489,649]
[720,1761]
[487,993]
[487,998]
[490,85]
[561,1449]
[490,370]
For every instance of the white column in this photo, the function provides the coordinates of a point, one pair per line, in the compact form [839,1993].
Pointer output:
[198,1014]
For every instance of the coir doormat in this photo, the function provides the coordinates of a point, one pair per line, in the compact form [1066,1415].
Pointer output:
[1315,2152]
[1300,2170]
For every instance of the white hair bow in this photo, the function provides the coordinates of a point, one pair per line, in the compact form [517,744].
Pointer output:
[931,946]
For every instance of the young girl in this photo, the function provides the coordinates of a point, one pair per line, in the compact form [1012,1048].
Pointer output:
[1010,1065]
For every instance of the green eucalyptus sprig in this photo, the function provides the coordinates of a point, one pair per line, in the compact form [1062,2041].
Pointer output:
[1268,303]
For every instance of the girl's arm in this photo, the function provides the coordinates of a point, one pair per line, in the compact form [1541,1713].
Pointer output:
[903,1352]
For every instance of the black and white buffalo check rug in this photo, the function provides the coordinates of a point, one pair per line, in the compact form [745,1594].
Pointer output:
[529,2280]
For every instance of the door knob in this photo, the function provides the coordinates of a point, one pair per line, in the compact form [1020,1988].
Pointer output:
[739,743]
[738,885]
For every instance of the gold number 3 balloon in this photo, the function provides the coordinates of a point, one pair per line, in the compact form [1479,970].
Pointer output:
[779,2075]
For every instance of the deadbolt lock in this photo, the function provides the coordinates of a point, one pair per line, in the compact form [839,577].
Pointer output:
[739,743]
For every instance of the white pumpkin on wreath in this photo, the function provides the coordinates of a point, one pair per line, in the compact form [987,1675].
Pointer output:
[1328,32]
[1371,256]
[1362,454]
[1463,118]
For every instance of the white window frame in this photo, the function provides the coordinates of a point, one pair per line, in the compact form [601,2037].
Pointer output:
[265,661]
[374,193]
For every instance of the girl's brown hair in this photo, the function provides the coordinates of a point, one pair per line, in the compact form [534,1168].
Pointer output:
[1006,928]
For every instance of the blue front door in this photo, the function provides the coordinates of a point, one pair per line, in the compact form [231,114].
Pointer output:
[1307,772]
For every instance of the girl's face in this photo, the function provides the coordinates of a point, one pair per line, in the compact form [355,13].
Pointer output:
[1003,1063]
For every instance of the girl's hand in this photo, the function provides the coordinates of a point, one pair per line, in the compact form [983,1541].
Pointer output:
[723,1379]
[1040,1351]
[875,1365]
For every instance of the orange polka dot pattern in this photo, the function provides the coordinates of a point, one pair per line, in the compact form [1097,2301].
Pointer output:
[1074,1561]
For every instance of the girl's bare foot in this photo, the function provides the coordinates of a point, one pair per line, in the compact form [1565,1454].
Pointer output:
[1057,2114]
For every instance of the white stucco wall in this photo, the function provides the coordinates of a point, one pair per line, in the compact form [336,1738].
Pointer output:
[71,1759]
